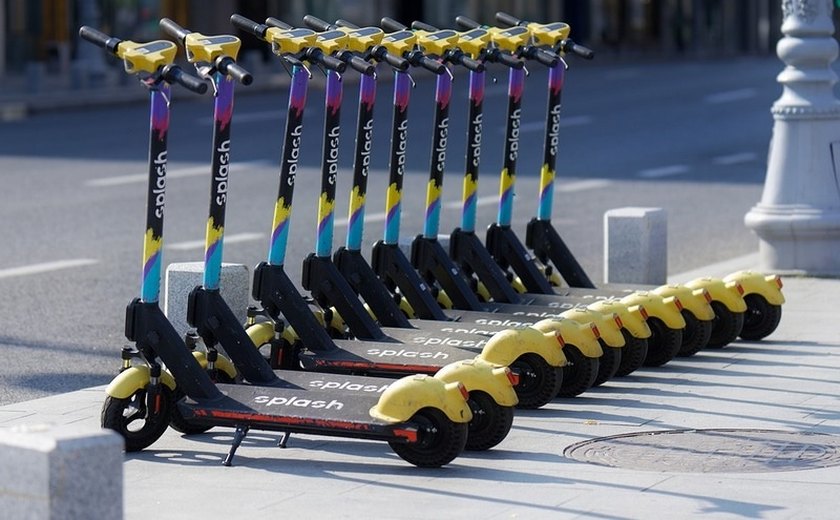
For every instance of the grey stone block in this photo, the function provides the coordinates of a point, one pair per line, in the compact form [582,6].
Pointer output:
[636,246]
[64,472]
[181,278]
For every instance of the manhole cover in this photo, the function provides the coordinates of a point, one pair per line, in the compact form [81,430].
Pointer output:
[711,451]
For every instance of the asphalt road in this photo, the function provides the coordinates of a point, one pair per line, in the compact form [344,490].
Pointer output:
[688,137]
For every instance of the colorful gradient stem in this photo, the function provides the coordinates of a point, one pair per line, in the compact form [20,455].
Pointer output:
[443,92]
[399,144]
[474,126]
[361,162]
[329,166]
[556,76]
[516,83]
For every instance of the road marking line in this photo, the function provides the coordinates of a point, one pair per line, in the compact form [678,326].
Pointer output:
[589,184]
[539,126]
[735,158]
[229,239]
[369,217]
[664,171]
[45,267]
[174,174]
[730,96]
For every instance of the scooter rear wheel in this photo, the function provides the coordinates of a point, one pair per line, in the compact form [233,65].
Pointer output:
[663,344]
[579,375]
[634,354]
[608,364]
[539,382]
[490,424]
[761,318]
[726,327]
[695,335]
[136,424]
[439,440]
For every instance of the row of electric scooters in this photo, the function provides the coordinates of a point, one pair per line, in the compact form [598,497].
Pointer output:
[430,353]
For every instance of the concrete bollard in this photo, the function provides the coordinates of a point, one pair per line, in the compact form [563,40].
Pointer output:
[636,246]
[60,473]
[181,278]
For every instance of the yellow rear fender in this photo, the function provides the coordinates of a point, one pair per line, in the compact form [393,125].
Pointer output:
[507,346]
[336,322]
[730,294]
[633,317]
[608,323]
[407,309]
[407,396]
[768,286]
[261,333]
[584,336]
[517,285]
[696,301]
[444,300]
[666,309]
[482,292]
[478,375]
[133,379]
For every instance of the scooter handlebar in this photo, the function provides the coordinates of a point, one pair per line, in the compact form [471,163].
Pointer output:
[469,63]
[174,74]
[226,65]
[99,38]
[174,30]
[466,23]
[547,58]
[398,62]
[344,23]
[423,26]
[247,25]
[389,24]
[361,65]
[508,60]
[325,60]
[507,19]
[313,22]
[579,50]
[275,22]
[427,63]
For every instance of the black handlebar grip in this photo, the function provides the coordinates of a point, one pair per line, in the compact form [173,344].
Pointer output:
[362,65]
[344,23]
[466,23]
[507,19]
[174,74]
[389,24]
[274,22]
[547,58]
[227,66]
[247,25]
[99,38]
[398,62]
[432,65]
[470,64]
[313,22]
[508,60]
[174,30]
[579,50]
[325,60]
[423,26]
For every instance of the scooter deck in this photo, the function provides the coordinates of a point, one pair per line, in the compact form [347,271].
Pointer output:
[293,410]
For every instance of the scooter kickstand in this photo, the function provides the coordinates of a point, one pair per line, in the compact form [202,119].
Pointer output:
[284,439]
[238,437]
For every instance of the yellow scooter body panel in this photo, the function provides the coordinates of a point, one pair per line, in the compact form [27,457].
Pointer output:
[696,300]
[730,293]
[584,336]
[410,394]
[205,49]
[550,34]
[506,346]
[633,317]
[666,309]
[133,379]
[479,375]
[290,41]
[768,286]
[608,323]
[146,57]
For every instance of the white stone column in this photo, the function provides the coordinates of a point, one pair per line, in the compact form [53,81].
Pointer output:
[798,218]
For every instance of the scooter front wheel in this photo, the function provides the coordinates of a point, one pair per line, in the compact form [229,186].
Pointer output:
[490,424]
[761,318]
[608,364]
[726,326]
[696,334]
[634,354]
[131,417]
[579,375]
[539,382]
[439,440]
[663,344]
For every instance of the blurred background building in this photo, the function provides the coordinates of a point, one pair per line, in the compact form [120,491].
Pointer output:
[39,43]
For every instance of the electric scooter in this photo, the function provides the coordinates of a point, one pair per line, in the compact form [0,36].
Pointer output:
[754,318]
[429,431]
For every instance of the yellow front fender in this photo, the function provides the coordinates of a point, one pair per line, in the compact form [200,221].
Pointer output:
[133,379]
[507,346]
[482,292]
[768,286]
[582,335]
[407,309]
[407,396]
[222,363]
[633,317]
[666,309]
[261,333]
[444,300]
[479,375]
[730,293]
[608,323]
[696,300]
[518,286]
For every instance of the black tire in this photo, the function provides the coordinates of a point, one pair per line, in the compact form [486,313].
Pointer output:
[608,364]
[439,440]
[633,356]
[761,318]
[696,334]
[130,418]
[490,424]
[539,382]
[726,326]
[579,375]
[663,344]
[182,425]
